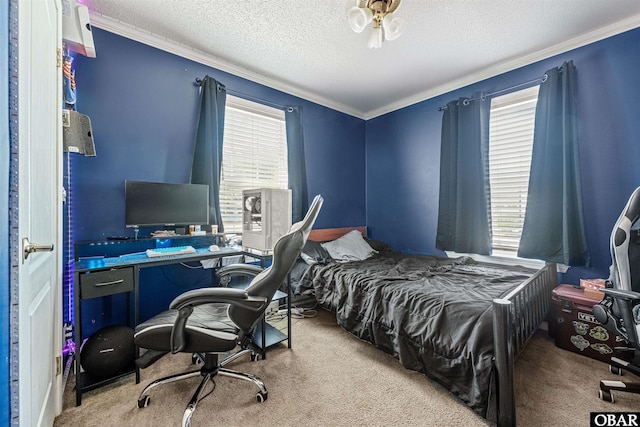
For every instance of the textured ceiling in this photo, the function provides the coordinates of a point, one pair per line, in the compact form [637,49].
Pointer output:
[306,48]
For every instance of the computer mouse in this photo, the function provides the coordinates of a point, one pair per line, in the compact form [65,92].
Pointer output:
[214,248]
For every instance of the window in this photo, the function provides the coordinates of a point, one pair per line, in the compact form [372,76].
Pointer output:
[510,143]
[254,155]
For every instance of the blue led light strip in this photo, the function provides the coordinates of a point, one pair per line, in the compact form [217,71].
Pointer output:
[68,284]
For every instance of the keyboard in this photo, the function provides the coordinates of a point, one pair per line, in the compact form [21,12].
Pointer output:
[173,250]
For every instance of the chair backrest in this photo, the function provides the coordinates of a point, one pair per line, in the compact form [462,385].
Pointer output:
[625,271]
[621,237]
[285,252]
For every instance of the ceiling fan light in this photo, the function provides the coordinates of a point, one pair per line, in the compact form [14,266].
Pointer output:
[359,18]
[393,27]
[375,38]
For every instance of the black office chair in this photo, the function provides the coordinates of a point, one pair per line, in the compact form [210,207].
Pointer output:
[619,311]
[208,322]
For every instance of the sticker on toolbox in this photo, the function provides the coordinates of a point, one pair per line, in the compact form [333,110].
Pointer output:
[601,348]
[579,342]
[599,333]
[587,317]
[580,327]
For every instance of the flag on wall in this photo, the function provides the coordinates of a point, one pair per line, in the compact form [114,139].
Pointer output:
[68,83]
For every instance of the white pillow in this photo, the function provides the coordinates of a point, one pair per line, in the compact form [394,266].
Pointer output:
[350,247]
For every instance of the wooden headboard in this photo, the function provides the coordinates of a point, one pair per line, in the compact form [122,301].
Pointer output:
[326,234]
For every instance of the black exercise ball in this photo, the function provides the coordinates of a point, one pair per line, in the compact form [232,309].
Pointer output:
[108,352]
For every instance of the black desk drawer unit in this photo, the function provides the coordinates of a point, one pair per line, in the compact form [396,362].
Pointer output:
[95,284]
[107,282]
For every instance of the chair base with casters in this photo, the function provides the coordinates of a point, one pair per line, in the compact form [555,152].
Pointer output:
[224,337]
[607,386]
[211,368]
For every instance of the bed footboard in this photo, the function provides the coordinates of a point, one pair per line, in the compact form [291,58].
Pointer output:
[516,317]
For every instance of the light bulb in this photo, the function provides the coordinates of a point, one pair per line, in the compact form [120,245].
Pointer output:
[393,27]
[359,18]
[375,38]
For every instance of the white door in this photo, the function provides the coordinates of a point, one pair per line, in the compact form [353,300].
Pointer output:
[39,213]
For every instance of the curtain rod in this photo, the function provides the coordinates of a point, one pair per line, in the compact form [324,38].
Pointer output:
[508,89]
[250,97]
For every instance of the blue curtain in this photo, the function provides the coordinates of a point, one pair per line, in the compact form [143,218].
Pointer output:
[296,168]
[553,228]
[464,216]
[207,153]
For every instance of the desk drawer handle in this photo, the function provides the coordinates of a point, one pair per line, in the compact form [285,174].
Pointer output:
[114,282]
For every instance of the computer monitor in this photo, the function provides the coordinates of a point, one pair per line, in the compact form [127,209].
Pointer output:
[165,204]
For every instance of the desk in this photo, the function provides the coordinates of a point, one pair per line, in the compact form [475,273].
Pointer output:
[103,276]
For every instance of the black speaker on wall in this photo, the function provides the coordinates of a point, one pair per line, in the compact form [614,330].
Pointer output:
[108,352]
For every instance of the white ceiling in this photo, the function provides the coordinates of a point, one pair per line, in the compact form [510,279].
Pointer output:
[306,47]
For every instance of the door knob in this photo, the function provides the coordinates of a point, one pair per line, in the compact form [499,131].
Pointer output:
[29,248]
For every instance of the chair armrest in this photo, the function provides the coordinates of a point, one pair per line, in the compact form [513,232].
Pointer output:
[618,293]
[239,270]
[226,273]
[185,302]
[231,296]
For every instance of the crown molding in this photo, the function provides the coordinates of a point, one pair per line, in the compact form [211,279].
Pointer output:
[125,30]
[162,43]
[591,37]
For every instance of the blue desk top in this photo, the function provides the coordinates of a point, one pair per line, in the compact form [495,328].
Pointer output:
[142,260]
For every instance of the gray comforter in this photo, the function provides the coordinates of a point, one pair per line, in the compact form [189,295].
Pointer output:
[433,313]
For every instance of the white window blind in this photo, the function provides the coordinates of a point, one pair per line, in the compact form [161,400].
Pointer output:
[510,144]
[254,155]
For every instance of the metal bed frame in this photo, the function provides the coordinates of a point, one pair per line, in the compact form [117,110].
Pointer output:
[516,317]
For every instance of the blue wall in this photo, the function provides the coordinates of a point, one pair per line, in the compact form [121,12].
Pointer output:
[403,150]
[143,103]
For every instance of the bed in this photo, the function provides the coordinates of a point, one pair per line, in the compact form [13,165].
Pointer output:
[459,321]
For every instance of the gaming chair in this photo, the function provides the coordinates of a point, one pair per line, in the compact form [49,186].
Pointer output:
[619,311]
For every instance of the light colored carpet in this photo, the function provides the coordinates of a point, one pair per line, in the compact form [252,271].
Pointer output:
[331,378]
